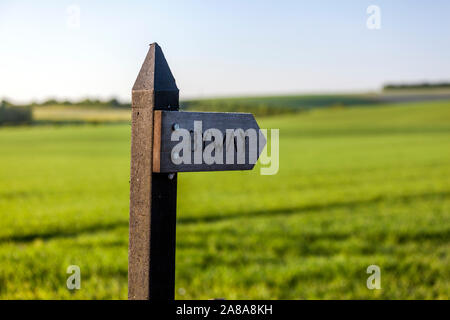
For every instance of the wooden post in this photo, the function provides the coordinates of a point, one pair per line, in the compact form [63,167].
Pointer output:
[151,262]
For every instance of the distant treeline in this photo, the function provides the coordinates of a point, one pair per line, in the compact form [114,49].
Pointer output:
[415,86]
[272,105]
[112,103]
[11,115]
[259,106]
[14,114]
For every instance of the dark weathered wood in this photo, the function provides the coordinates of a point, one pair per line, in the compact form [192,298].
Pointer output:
[151,265]
[164,127]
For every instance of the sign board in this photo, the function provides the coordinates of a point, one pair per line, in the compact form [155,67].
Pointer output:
[205,141]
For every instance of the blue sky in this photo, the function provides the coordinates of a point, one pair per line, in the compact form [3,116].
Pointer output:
[219,48]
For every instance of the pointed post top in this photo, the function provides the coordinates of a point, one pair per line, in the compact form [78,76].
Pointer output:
[155,74]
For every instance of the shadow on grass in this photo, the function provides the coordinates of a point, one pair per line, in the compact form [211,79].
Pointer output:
[312,207]
[64,233]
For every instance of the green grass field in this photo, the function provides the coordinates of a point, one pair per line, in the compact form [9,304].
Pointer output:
[356,187]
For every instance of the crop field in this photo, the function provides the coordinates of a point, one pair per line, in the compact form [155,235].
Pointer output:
[68,114]
[357,186]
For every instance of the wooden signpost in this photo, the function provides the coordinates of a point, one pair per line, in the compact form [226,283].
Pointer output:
[212,142]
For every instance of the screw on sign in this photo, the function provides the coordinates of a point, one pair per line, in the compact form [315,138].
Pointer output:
[165,141]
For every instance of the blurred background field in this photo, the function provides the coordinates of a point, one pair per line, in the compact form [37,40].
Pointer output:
[95,111]
[360,92]
[361,182]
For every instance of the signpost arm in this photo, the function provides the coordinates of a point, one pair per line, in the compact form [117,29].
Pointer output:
[151,262]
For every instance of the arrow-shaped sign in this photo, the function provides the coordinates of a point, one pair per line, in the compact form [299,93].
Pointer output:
[205,141]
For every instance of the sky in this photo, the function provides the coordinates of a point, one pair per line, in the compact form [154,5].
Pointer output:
[80,49]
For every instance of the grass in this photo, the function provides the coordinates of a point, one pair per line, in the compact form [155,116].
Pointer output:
[356,187]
